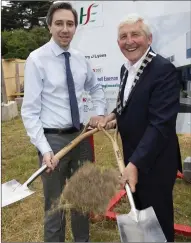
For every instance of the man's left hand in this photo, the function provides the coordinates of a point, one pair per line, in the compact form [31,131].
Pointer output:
[94,120]
[130,176]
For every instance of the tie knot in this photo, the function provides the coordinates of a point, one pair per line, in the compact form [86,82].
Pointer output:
[67,54]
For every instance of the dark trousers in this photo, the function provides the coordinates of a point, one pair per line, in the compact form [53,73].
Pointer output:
[53,184]
[158,194]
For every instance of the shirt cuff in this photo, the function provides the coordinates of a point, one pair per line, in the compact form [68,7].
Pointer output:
[44,148]
[100,111]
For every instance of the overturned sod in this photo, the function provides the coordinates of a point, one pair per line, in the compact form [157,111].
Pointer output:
[90,189]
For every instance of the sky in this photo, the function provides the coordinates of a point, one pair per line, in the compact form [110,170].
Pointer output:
[4,3]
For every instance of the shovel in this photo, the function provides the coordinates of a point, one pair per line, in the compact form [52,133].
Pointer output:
[13,191]
[138,225]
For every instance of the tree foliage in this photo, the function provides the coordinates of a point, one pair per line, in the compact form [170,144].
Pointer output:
[19,43]
[24,14]
[40,35]
[23,27]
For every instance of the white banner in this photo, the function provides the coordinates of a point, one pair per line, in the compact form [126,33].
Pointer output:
[96,37]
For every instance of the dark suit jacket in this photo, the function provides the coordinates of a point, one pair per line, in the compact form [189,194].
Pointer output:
[148,123]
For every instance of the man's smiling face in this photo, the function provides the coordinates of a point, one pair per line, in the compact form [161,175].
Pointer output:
[62,27]
[133,41]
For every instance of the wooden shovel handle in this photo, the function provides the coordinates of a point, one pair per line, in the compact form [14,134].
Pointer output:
[84,134]
[75,142]
[121,165]
[116,149]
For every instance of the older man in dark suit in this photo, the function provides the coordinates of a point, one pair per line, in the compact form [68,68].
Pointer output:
[146,112]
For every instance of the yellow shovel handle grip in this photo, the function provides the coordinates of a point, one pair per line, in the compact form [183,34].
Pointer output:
[116,149]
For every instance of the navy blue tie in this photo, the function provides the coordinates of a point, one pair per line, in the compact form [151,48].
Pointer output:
[72,93]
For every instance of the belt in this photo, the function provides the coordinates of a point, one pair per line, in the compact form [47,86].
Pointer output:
[68,130]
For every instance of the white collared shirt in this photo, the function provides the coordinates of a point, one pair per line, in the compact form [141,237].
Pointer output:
[46,98]
[132,70]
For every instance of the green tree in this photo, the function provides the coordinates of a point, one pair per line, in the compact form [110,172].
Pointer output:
[41,35]
[20,44]
[5,36]
[10,17]
[24,14]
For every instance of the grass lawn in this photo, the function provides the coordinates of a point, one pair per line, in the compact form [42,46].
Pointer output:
[23,221]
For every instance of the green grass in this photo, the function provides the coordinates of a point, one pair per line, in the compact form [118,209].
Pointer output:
[23,221]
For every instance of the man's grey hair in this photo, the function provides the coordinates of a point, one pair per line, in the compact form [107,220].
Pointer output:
[134,18]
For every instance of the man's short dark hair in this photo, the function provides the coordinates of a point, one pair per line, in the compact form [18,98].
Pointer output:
[60,5]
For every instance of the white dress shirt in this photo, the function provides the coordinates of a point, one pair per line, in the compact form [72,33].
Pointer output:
[46,98]
[132,70]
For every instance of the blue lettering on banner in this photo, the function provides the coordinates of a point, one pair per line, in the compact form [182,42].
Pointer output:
[111,99]
[96,56]
[105,78]
[87,108]
[110,85]
[110,78]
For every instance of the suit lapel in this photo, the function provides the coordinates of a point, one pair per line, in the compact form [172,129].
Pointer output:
[141,72]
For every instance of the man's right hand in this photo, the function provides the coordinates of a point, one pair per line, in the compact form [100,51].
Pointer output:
[109,122]
[50,161]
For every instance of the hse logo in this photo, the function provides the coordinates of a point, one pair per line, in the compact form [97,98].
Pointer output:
[87,17]
[90,14]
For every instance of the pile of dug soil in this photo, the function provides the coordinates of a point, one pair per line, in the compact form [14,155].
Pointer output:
[90,189]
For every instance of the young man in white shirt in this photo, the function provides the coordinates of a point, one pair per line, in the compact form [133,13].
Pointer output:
[52,111]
